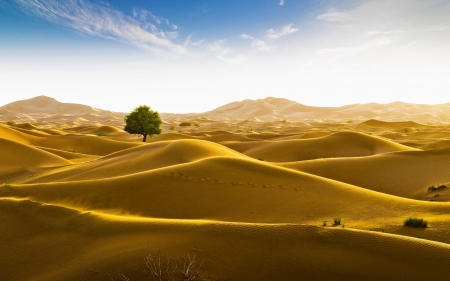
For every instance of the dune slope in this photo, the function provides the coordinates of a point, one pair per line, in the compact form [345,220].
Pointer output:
[285,252]
[17,157]
[341,144]
[407,174]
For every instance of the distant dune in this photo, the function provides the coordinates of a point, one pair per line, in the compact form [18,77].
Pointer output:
[342,144]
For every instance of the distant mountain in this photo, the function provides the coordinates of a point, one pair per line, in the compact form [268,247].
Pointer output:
[273,109]
[48,110]
[44,104]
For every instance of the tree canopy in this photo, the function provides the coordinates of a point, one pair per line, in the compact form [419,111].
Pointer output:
[143,121]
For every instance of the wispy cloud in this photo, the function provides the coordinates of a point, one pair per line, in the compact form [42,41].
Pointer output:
[339,52]
[335,16]
[257,43]
[281,3]
[284,31]
[101,20]
[217,48]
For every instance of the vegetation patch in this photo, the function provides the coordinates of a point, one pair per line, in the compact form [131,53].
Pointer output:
[337,221]
[10,123]
[415,222]
[102,134]
[185,124]
[436,187]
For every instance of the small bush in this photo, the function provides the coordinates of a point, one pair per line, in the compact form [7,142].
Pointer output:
[7,184]
[415,222]
[102,134]
[324,223]
[436,187]
[172,128]
[10,123]
[260,159]
[185,124]
[196,125]
[337,221]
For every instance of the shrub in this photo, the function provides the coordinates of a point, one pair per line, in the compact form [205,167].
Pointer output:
[337,221]
[166,268]
[436,187]
[260,159]
[102,134]
[172,128]
[196,125]
[185,124]
[324,223]
[415,222]
[10,123]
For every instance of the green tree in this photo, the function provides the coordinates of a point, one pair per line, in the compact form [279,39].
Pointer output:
[143,121]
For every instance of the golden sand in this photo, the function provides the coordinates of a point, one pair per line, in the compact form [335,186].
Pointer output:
[255,200]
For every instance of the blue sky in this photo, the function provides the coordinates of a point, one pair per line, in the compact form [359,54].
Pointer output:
[192,56]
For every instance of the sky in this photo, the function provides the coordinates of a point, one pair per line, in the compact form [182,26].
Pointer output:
[184,56]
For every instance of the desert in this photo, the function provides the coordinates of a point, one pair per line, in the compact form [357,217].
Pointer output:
[269,140]
[250,199]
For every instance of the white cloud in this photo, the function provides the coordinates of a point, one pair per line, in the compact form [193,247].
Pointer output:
[339,52]
[281,3]
[97,20]
[384,33]
[285,30]
[334,16]
[257,43]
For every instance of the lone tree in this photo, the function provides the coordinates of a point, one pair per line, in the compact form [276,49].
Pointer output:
[143,121]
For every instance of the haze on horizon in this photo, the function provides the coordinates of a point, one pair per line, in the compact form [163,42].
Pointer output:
[193,56]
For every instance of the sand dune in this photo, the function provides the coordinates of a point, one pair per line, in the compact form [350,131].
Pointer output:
[406,174]
[17,157]
[286,252]
[342,144]
[84,200]
[140,159]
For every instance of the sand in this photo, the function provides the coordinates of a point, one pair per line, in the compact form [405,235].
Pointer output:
[255,199]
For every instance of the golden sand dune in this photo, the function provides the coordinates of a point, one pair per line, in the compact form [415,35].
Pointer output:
[17,136]
[17,157]
[84,200]
[32,132]
[139,159]
[117,245]
[78,143]
[406,174]
[73,157]
[236,189]
[342,144]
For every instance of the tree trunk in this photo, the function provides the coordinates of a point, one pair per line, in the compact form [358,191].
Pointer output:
[145,138]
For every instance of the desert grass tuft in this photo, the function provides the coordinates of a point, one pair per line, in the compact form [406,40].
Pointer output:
[436,187]
[102,134]
[415,222]
[337,221]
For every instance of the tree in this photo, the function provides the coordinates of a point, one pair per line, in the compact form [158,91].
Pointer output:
[143,121]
